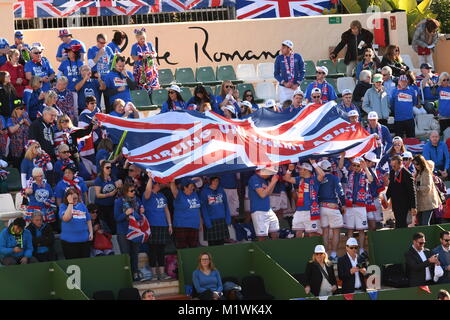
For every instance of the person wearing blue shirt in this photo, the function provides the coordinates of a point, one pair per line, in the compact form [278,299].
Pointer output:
[70,180]
[307,214]
[264,219]
[4,49]
[40,196]
[76,226]
[206,279]
[39,66]
[24,49]
[427,83]
[157,213]
[116,42]
[42,237]
[289,70]
[67,42]
[384,139]
[88,86]
[100,56]
[444,255]
[346,105]
[186,217]
[376,187]
[444,94]
[437,151]
[33,97]
[403,99]
[70,68]
[119,82]
[388,82]
[215,212]
[144,56]
[16,245]
[200,97]
[174,100]
[327,90]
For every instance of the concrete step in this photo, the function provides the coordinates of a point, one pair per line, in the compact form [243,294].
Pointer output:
[161,288]
[174,297]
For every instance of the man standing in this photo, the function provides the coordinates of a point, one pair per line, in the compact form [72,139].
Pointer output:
[346,105]
[401,191]
[384,139]
[4,49]
[420,263]
[100,56]
[41,131]
[438,152]
[388,83]
[67,42]
[443,252]
[23,48]
[327,90]
[426,81]
[289,70]
[39,66]
[349,272]
[403,100]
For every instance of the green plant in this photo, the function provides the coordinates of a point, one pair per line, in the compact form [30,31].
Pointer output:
[442,10]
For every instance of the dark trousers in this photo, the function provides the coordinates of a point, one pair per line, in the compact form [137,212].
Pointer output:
[400,218]
[11,261]
[216,242]
[76,250]
[131,248]
[106,213]
[406,127]
[156,255]
[424,217]
[43,257]
[186,238]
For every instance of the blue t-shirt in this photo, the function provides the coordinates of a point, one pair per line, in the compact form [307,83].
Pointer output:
[155,209]
[105,187]
[42,69]
[402,102]
[136,49]
[115,80]
[61,49]
[3,45]
[307,190]
[40,195]
[214,205]
[89,89]
[444,101]
[256,202]
[114,47]
[331,95]
[27,167]
[61,187]
[179,105]
[76,229]
[228,181]
[72,71]
[186,211]
[103,64]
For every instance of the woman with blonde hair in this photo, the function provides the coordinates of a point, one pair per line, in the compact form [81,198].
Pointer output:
[18,127]
[34,157]
[229,95]
[444,96]
[145,70]
[50,100]
[427,195]
[320,279]
[206,278]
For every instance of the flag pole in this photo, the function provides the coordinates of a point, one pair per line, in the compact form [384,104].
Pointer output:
[114,155]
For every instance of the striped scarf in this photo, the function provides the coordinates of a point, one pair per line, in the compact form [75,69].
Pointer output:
[75,183]
[315,210]
[363,196]
[324,89]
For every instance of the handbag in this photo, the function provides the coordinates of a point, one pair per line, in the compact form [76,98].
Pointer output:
[102,241]
[421,51]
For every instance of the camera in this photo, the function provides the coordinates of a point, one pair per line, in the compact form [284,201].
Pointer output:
[363,260]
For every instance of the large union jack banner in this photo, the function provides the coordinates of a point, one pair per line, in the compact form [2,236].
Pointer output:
[187,143]
[252,9]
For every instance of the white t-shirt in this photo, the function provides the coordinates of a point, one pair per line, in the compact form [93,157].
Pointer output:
[354,263]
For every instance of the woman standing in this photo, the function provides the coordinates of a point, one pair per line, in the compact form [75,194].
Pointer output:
[425,39]
[174,100]
[7,94]
[65,101]
[18,127]
[33,97]
[117,40]
[206,279]
[320,279]
[70,68]
[40,195]
[106,187]
[157,213]
[444,94]
[393,60]
[186,217]
[427,195]
[145,70]
[76,226]
[16,72]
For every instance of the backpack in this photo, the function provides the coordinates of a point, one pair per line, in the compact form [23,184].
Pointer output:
[244,231]
[394,275]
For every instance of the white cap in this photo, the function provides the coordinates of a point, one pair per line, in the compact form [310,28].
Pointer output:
[174,87]
[316,90]
[288,43]
[353,113]
[307,166]
[357,160]
[319,249]
[407,154]
[3,164]
[351,242]
[371,157]
[346,91]
[373,115]
[397,138]
[323,69]
[246,103]
[37,45]
[270,104]
[230,108]
[325,165]
[298,91]
[269,171]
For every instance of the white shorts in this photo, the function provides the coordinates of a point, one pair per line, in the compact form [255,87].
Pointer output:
[331,218]
[265,222]
[285,93]
[246,201]
[302,222]
[279,201]
[355,218]
[376,215]
[233,201]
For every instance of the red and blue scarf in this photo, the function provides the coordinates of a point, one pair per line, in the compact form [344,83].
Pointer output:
[363,196]
[315,210]
[290,68]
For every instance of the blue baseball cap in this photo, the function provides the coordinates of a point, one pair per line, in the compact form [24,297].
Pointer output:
[18,35]
[186,181]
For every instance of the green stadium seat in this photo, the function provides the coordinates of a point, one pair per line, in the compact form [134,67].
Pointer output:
[332,68]
[185,77]
[341,67]
[333,82]
[159,96]
[217,90]
[305,84]
[225,73]
[242,87]
[140,98]
[209,90]
[206,76]
[13,180]
[310,69]
[166,77]
[186,93]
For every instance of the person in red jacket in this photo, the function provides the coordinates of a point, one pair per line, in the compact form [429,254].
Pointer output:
[16,71]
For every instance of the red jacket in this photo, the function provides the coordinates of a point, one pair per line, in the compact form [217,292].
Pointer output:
[16,72]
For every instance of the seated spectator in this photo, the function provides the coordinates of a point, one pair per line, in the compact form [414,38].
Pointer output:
[41,130]
[18,127]
[420,263]
[246,109]
[206,279]
[443,295]
[119,82]
[319,275]
[42,236]
[16,71]
[229,112]
[215,212]
[90,84]
[443,252]
[16,244]
[88,113]
[427,195]
[205,107]
[362,86]
[116,42]
[393,60]
[388,82]
[427,83]
[376,99]
[438,152]
[444,94]
[40,197]
[186,217]
[76,226]
[70,68]
[403,99]
[34,157]
[39,66]
[229,95]
[135,175]
[66,42]
[157,213]
[63,154]
[7,94]
[65,101]
[248,96]
[316,96]
[298,101]
[384,139]
[346,105]
[367,63]
[122,110]
[70,179]
[33,97]
[101,245]
[148,295]
[327,90]
[174,100]
[349,271]
[202,96]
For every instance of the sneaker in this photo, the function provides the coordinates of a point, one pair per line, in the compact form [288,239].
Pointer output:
[164,276]
[154,277]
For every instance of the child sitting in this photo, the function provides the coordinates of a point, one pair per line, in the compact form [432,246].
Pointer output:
[102,245]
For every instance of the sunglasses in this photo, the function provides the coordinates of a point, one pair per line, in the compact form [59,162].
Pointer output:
[406,159]
[132,191]
[67,151]
[368,55]
[42,176]
[21,108]
[421,243]
[130,170]
[446,240]
[37,52]
[445,80]
[315,97]
[319,72]
[356,165]
[249,95]
[108,168]
[101,42]
[228,87]
[397,145]
[353,248]
[64,121]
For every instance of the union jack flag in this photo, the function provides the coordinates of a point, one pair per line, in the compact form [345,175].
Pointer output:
[252,9]
[183,5]
[138,231]
[187,143]
[413,145]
